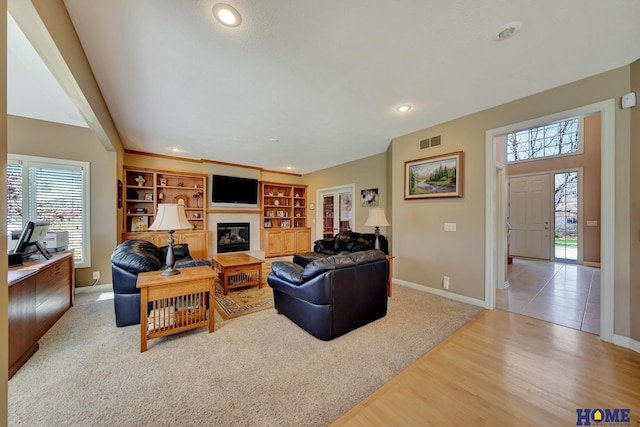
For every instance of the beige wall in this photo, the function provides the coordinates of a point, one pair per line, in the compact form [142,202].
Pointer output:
[366,173]
[424,252]
[47,139]
[634,178]
[589,161]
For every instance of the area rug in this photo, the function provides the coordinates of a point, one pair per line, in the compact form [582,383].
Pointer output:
[247,300]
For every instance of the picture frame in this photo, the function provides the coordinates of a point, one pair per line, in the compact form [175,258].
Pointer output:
[434,177]
[139,223]
[267,223]
[369,197]
[148,196]
[285,223]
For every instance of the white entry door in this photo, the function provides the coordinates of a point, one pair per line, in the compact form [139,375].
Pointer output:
[529,216]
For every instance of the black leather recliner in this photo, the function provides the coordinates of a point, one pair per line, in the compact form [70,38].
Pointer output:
[333,295]
[137,256]
[350,241]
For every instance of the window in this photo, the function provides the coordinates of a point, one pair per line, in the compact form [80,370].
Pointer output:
[52,190]
[553,139]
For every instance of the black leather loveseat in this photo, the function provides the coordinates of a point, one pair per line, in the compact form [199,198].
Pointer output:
[333,295]
[136,256]
[349,241]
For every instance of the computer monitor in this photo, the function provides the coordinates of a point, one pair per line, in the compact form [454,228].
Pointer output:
[31,238]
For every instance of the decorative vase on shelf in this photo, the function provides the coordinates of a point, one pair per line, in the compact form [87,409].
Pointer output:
[276,202]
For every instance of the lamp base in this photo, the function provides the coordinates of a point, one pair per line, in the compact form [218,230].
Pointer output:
[170,271]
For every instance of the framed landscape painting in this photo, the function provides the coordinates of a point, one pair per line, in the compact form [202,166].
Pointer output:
[432,177]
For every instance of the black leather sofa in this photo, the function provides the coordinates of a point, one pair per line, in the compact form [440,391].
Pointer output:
[136,256]
[349,241]
[333,295]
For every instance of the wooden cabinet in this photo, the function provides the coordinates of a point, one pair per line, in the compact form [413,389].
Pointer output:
[39,294]
[284,216]
[146,188]
[303,240]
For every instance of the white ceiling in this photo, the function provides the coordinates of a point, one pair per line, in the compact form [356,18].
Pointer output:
[312,84]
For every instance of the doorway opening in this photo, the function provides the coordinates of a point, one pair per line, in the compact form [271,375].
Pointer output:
[336,210]
[495,260]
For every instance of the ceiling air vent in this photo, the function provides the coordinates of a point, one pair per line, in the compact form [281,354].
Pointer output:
[431,142]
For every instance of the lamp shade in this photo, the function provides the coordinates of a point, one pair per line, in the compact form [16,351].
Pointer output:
[170,216]
[376,218]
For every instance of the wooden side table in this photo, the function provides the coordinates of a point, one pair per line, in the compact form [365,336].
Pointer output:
[178,303]
[238,270]
[390,285]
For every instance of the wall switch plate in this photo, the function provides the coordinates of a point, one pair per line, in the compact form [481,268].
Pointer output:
[445,282]
[449,226]
[96,275]
[592,223]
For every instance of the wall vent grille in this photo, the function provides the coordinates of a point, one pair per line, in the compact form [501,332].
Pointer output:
[431,142]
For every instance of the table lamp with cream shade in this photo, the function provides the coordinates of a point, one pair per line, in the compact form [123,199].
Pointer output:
[376,219]
[170,217]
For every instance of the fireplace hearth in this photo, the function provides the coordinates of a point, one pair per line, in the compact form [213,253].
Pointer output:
[233,237]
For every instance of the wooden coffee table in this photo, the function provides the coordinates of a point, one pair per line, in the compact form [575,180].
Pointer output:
[237,270]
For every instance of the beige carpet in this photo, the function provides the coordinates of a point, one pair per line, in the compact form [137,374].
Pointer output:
[255,370]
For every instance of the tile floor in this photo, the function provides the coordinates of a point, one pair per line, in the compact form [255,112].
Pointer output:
[564,294]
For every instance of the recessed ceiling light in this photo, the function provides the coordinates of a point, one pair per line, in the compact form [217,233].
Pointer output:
[176,150]
[403,108]
[226,14]
[507,30]
[288,168]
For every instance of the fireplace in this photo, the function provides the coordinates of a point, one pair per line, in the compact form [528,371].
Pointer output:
[232,237]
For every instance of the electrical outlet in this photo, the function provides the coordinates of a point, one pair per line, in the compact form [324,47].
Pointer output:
[445,282]
[96,275]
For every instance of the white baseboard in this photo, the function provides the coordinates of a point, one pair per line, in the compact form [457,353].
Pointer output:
[107,287]
[627,342]
[440,293]
[591,264]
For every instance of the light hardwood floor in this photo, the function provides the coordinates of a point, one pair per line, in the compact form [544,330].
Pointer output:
[506,369]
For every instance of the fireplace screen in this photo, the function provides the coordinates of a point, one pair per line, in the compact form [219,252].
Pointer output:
[233,237]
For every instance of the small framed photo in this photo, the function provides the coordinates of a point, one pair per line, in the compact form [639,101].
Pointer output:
[285,223]
[267,223]
[163,181]
[432,177]
[139,223]
[148,196]
[369,197]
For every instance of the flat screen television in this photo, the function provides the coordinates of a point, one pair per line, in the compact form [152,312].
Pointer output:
[233,190]
[30,240]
